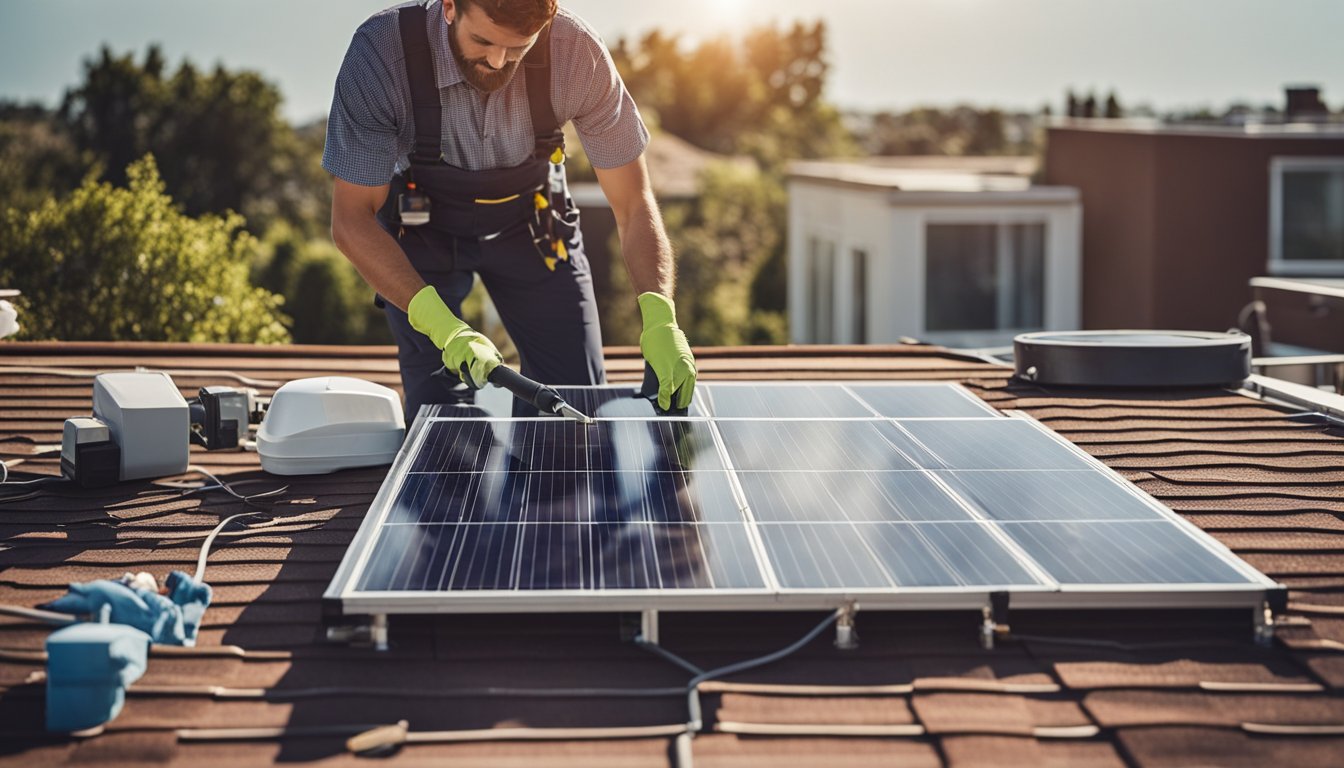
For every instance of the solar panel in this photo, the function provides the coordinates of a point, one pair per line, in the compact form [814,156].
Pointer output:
[908,401]
[766,496]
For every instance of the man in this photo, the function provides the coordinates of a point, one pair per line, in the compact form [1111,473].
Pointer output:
[455,110]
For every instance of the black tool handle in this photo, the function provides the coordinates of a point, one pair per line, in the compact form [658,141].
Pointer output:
[543,397]
[649,391]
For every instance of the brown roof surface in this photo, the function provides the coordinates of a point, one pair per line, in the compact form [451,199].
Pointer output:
[1162,689]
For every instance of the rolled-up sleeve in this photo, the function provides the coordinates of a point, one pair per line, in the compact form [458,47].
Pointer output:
[604,114]
[363,126]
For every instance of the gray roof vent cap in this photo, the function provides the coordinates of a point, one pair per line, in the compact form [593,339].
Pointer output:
[1133,358]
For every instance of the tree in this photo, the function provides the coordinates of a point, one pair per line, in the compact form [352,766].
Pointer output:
[218,136]
[37,157]
[109,263]
[1113,108]
[328,301]
[761,96]
[723,239]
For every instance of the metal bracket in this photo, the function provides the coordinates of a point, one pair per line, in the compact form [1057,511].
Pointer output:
[1263,615]
[648,626]
[378,632]
[846,639]
[373,633]
[994,619]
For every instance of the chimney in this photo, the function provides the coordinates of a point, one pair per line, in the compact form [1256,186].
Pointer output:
[1304,104]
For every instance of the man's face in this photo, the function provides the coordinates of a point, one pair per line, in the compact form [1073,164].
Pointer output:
[487,53]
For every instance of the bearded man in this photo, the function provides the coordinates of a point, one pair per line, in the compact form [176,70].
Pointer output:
[446,146]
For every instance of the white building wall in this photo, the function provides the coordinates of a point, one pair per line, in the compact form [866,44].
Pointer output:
[850,219]
[892,233]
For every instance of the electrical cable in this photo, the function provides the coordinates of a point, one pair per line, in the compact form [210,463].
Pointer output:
[4,478]
[384,738]
[78,373]
[659,650]
[696,723]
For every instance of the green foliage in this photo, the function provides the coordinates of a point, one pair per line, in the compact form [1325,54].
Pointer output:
[37,157]
[759,96]
[218,136]
[961,130]
[722,239]
[108,263]
[328,300]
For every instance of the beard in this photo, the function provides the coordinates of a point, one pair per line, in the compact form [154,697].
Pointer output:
[477,72]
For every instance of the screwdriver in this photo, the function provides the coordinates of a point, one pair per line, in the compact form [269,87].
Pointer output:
[536,394]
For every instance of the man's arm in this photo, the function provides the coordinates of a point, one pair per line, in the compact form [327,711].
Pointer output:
[383,265]
[644,245]
[377,257]
[648,257]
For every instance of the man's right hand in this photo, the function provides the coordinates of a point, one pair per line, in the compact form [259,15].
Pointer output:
[467,353]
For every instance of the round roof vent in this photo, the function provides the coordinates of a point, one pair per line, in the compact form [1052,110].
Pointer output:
[1133,358]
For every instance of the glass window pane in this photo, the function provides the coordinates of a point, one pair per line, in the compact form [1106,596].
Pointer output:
[859,296]
[960,284]
[1313,215]
[823,291]
[985,277]
[1027,287]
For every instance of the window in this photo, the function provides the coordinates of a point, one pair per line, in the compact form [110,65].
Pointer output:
[1307,215]
[984,277]
[822,256]
[858,294]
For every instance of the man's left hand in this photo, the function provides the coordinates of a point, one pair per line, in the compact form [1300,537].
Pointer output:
[667,351]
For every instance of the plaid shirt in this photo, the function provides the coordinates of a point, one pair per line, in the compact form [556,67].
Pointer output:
[371,131]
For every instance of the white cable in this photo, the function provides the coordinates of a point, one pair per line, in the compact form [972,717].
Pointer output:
[210,539]
[79,373]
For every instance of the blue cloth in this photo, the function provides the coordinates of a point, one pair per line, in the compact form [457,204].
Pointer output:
[88,669]
[170,620]
[192,597]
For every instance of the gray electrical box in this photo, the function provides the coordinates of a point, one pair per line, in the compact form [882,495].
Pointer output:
[148,418]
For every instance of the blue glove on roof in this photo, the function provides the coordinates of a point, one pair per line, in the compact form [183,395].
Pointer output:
[170,620]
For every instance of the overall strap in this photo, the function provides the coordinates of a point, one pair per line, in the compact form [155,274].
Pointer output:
[537,71]
[425,106]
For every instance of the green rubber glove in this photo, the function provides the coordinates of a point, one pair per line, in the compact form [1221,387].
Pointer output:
[465,352]
[667,351]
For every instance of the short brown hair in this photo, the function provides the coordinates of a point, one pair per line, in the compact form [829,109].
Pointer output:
[526,17]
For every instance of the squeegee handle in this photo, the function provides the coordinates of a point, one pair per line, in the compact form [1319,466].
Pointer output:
[543,397]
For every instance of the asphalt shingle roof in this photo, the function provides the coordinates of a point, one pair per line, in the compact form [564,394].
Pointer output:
[1158,689]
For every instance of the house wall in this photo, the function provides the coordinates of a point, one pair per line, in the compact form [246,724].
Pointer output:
[1174,225]
[1113,173]
[892,234]
[852,219]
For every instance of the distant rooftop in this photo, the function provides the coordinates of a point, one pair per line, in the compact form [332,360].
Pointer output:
[947,178]
[1251,127]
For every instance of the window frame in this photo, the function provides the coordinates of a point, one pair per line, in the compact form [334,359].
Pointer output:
[1000,220]
[1277,264]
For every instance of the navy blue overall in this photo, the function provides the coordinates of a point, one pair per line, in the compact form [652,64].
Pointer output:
[490,223]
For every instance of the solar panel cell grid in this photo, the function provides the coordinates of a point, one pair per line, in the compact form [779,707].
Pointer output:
[797,446]
[1064,495]
[921,401]
[561,556]
[821,497]
[1156,552]
[764,495]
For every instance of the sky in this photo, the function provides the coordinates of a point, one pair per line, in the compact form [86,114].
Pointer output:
[885,54]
